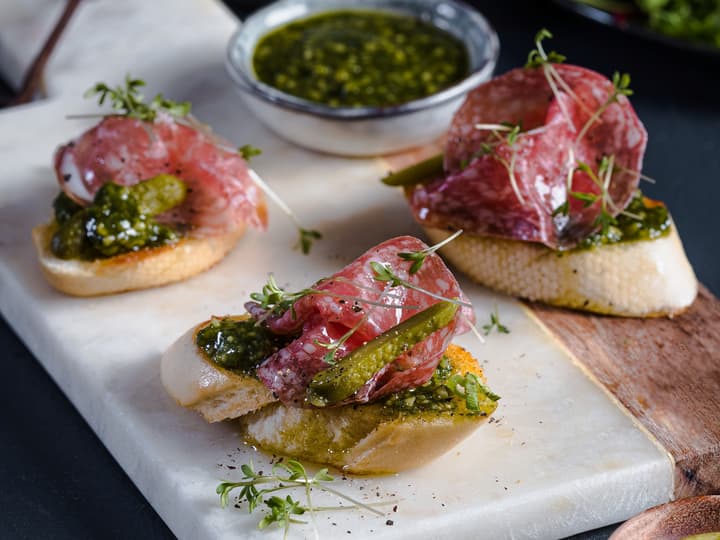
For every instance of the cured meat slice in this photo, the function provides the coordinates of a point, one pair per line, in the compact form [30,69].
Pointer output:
[221,195]
[477,193]
[345,303]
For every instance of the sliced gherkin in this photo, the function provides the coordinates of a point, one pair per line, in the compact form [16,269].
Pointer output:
[159,194]
[343,379]
[420,173]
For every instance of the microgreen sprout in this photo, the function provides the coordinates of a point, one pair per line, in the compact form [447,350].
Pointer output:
[418,257]
[307,236]
[334,345]
[385,273]
[276,300]
[128,101]
[621,87]
[538,58]
[495,324]
[602,179]
[290,475]
[513,131]
[248,151]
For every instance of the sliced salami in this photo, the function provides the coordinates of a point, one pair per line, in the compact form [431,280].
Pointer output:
[221,195]
[346,302]
[557,133]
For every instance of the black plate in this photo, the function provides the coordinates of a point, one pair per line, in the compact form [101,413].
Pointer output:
[634,24]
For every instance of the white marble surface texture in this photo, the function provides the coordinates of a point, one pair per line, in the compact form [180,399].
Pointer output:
[560,457]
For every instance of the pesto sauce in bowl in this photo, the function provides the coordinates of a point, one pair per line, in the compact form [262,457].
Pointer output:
[349,58]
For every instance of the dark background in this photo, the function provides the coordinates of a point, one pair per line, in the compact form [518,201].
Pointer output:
[59,482]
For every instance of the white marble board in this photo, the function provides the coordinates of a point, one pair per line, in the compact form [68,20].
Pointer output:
[561,457]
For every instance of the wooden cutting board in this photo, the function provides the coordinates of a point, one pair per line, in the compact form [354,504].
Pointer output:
[664,372]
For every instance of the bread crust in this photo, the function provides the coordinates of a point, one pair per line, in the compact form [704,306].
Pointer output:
[645,278]
[364,439]
[197,383]
[149,267]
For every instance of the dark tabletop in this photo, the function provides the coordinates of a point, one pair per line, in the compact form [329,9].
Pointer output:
[59,482]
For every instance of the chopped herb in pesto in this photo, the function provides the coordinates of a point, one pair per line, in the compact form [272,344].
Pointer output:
[654,221]
[238,345]
[445,392]
[119,220]
[353,58]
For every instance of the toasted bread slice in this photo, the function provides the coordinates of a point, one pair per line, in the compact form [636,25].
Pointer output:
[198,383]
[368,439]
[135,270]
[645,278]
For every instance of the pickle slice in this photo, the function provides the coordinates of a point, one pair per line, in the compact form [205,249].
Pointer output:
[343,379]
[420,173]
[159,194]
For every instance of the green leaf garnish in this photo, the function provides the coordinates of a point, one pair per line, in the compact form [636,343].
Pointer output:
[563,209]
[307,237]
[248,151]
[276,300]
[385,273]
[281,511]
[128,101]
[538,57]
[490,149]
[291,475]
[418,257]
[621,87]
[495,324]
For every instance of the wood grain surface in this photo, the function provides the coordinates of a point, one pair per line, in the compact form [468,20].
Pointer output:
[666,372]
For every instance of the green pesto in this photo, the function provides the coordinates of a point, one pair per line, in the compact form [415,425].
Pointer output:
[331,432]
[349,58]
[350,373]
[119,220]
[654,222]
[64,208]
[441,394]
[238,345]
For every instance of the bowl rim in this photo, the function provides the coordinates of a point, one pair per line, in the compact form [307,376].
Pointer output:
[270,94]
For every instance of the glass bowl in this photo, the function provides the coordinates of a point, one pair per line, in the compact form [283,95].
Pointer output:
[361,131]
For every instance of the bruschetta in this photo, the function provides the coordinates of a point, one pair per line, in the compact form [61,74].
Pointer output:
[356,371]
[541,172]
[148,196]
